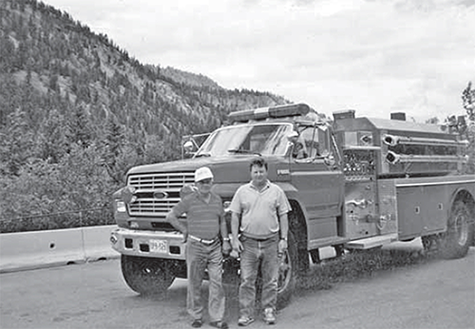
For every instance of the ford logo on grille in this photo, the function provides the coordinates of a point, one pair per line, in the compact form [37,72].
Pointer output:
[160,195]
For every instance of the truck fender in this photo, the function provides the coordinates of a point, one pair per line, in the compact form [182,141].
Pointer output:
[293,196]
[462,193]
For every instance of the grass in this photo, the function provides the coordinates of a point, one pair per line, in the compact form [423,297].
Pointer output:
[357,265]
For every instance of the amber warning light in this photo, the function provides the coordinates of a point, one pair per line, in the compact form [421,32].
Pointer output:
[269,112]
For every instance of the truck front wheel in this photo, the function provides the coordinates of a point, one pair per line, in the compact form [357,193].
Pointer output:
[145,275]
[456,241]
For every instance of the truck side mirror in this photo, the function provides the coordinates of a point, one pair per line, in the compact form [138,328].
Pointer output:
[188,146]
[297,148]
[188,149]
[191,143]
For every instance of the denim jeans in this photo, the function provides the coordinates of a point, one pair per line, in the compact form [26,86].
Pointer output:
[263,254]
[199,257]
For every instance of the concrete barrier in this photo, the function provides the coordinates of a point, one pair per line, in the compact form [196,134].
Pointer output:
[97,243]
[32,250]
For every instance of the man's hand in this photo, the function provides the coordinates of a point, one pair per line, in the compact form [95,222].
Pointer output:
[282,246]
[237,248]
[226,247]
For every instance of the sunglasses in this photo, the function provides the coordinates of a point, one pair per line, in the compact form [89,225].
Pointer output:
[205,181]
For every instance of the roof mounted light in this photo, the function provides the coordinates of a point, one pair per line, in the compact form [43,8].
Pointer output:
[280,111]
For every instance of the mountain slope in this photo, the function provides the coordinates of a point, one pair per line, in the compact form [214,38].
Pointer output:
[69,94]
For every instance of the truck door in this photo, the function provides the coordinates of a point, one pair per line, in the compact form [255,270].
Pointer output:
[319,187]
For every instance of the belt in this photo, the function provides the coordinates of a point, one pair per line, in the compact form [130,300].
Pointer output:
[203,241]
[261,239]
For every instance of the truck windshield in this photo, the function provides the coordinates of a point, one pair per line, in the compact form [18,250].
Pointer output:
[263,139]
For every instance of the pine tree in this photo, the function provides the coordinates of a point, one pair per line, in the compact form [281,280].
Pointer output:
[53,143]
[80,130]
[113,142]
[16,144]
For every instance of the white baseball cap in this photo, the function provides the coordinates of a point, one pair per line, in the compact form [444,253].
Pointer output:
[203,173]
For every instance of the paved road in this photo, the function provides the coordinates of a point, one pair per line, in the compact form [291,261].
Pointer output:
[435,294]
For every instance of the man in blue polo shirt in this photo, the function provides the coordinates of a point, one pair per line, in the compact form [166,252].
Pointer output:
[205,228]
[264,227]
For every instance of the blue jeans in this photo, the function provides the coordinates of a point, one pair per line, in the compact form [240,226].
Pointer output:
[263,254]
[199,257]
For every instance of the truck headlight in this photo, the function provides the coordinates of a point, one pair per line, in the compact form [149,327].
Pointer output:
[120,206]
[128,194]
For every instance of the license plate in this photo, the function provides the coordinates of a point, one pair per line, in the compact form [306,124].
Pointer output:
[158,246]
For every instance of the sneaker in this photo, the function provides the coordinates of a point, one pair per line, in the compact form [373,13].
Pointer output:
[269,316]
[197,323]
[219,324]
[245,321]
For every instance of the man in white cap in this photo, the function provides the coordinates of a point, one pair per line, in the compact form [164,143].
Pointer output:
[204,230]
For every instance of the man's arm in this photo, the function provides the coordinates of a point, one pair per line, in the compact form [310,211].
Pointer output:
[173,220]
[235,209]
[237,246]
[284,226]
[283,210]
[234,225]
[224,234]
[223,228]
[284,232]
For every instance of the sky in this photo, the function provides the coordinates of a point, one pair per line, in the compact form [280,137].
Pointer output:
[374,56]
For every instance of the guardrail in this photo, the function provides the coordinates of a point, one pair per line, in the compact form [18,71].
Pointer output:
[32,250]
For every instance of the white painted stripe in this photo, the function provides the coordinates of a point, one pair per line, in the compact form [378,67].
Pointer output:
[315,173]
[434,183]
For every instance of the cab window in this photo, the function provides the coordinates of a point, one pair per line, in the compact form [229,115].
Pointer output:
[316,141]
[309,136]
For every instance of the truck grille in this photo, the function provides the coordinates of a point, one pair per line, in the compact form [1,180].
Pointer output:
[148,184]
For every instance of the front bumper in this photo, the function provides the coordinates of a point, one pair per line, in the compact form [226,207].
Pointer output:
[142,243]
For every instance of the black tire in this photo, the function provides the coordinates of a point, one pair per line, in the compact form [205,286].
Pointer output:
[288,272]
[297,224]
[147,276]
[456,241]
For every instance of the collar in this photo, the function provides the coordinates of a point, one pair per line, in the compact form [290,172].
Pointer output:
[198,196]
[206,199]
[266,186]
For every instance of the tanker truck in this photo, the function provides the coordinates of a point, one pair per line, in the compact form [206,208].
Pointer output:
[355,183]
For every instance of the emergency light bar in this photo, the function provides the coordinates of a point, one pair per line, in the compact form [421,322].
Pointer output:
[280,111]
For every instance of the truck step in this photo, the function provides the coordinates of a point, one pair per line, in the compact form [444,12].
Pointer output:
[372,242]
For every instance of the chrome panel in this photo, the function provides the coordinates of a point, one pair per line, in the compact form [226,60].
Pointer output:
[168,183]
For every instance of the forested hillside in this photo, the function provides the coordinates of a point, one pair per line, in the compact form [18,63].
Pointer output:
[76,111]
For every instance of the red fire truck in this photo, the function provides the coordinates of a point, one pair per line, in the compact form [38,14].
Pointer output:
[354,183]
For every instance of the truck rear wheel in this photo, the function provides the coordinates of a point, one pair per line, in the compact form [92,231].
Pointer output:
[288,272]
[147,276]
[456,241]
